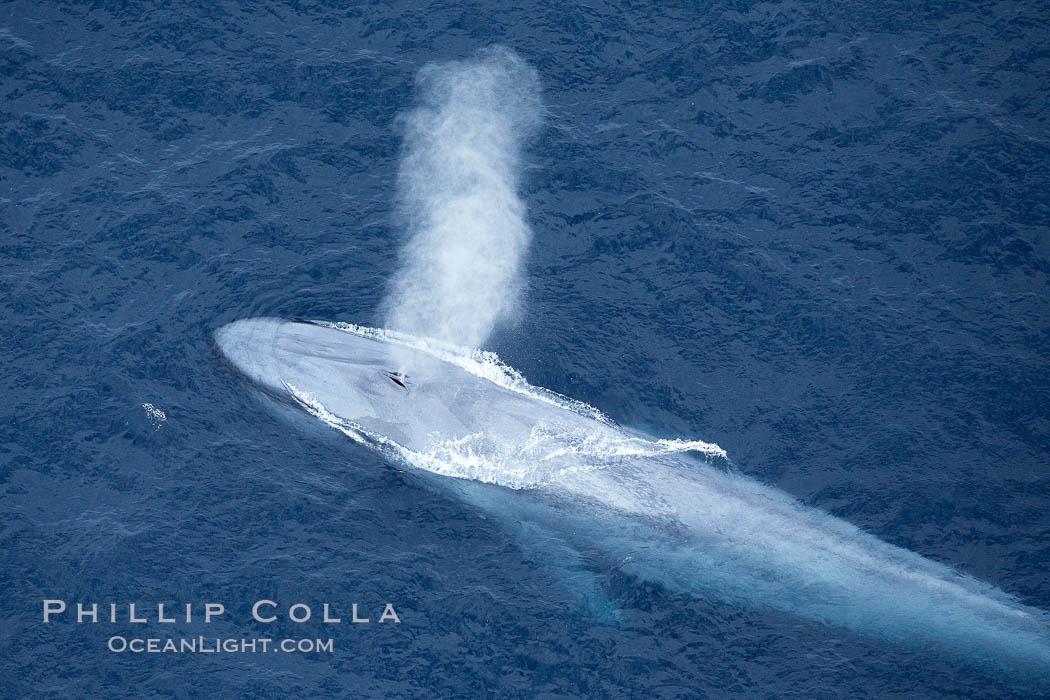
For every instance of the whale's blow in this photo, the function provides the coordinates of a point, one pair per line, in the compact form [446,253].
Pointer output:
[467,233]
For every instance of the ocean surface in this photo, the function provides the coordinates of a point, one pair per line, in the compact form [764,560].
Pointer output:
[815,234]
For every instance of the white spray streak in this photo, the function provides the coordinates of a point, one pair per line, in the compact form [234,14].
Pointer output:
[460,273]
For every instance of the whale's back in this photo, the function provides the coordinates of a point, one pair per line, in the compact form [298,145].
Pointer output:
[436,407]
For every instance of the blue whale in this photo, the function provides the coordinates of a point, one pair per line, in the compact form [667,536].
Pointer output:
[668,511]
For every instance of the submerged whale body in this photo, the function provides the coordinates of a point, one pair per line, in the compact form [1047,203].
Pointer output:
[668,511]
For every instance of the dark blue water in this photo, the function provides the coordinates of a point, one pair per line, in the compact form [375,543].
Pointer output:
[815,234]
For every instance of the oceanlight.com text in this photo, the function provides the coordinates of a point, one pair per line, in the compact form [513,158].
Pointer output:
[217,645]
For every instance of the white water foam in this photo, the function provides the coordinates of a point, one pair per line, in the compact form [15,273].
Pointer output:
[156,416]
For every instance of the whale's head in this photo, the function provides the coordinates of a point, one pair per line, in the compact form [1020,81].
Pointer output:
[349,372]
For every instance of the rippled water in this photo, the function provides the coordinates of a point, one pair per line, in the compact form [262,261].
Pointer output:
[815,234]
